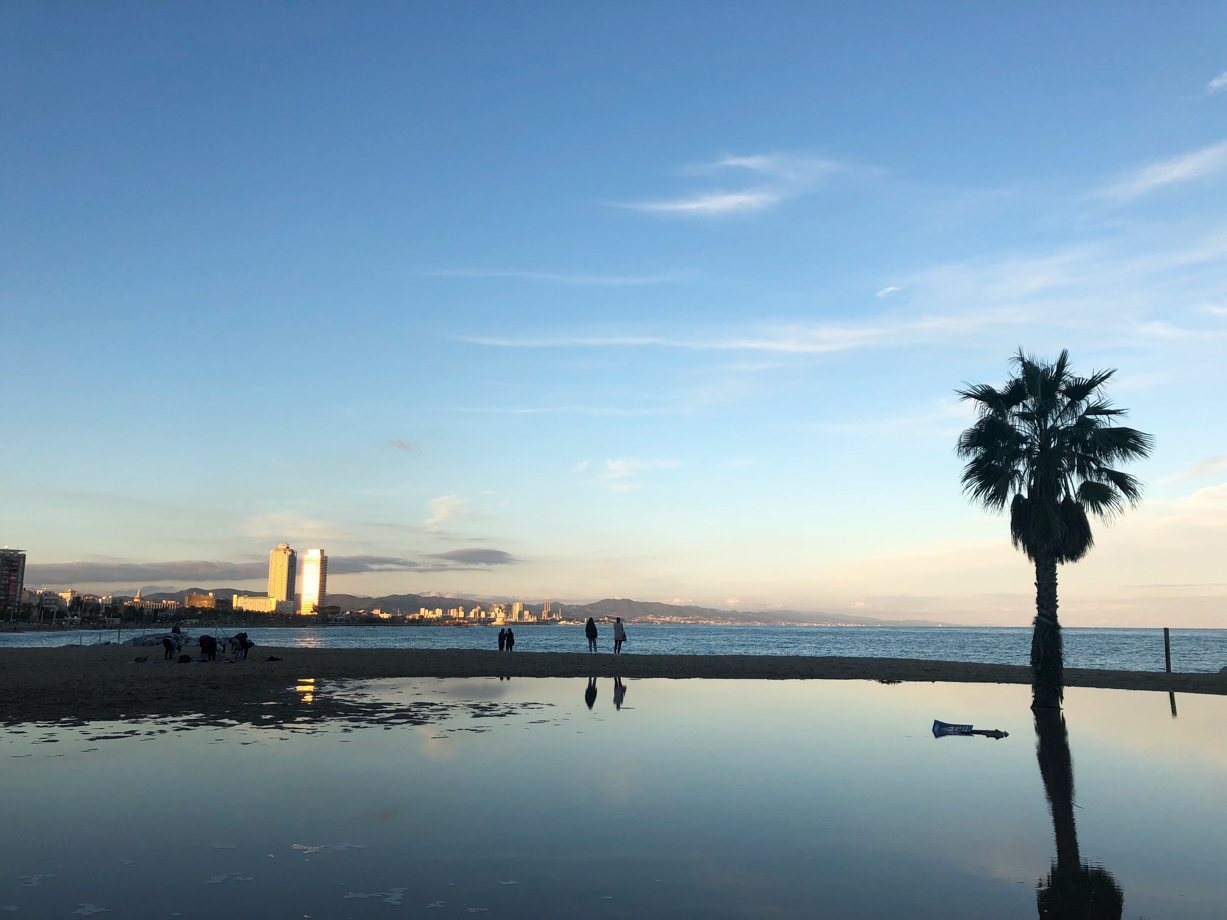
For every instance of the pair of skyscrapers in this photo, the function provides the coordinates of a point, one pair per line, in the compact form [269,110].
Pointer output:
[283,571]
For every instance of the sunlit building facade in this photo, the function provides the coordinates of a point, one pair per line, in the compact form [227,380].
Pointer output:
[314,581]
[282,570]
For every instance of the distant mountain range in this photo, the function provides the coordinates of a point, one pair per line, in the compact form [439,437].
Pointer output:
[630,610]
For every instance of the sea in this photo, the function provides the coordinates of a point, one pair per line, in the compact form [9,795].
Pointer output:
[1193,650]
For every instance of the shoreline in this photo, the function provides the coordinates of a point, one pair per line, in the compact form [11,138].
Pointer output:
[100,683]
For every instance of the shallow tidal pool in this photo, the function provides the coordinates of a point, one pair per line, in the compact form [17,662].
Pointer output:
[544,798]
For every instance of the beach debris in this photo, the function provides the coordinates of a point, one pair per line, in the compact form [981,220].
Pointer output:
[86,909]
[394,896]
[434,904]
[218,879]
[942,729]
[339,847]
[273,658]
[31,881]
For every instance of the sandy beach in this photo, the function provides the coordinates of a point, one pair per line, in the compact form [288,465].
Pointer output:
[106,682]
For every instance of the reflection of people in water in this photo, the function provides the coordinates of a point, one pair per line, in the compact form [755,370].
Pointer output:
[590,693]
[619,692]
[1074,890]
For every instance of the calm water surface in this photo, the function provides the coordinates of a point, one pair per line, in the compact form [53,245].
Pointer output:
[693,799]
[1116,649]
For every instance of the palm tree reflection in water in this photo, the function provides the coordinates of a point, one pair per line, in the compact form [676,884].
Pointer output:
[1074,889]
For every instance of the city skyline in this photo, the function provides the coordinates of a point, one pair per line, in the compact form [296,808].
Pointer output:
[690,330]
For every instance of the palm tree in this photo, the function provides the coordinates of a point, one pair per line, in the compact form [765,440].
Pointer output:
[1045,445]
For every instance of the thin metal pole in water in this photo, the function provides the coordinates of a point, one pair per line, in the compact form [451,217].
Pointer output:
[1167,648]
[1172,696]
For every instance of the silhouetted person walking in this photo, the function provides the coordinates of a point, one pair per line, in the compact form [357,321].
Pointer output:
[590,693]
[502,639]
[590,632]
[511,640]
[619,692]
[619,635]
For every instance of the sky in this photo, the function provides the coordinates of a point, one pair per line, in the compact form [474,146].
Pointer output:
[667,302]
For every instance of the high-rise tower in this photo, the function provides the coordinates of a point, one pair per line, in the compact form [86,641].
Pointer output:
[314,581]
[282,570]
[12,577]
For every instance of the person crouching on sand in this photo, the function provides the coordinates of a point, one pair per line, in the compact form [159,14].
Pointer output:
[590,632]
[619,635]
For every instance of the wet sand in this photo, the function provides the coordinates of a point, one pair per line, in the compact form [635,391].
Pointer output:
[106,683]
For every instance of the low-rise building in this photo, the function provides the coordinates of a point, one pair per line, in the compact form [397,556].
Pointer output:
[202,601]
[260,604]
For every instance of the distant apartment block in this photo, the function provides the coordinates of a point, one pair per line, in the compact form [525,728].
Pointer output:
[282,571]
[203,601]
[12,581]
[314,581]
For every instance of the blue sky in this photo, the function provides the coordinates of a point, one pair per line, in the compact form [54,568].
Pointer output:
[666,303]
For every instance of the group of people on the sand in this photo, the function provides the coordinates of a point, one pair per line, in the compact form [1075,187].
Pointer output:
[619,632]
[506,640]
[237,646]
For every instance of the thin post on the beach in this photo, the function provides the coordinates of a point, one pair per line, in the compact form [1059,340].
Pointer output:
[1167,648]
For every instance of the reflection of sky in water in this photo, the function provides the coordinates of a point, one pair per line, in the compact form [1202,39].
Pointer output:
[696,799]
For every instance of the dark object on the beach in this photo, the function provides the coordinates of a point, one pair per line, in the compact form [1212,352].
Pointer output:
[1045,445]
[185,659]
[142,659]
[502,639]
[941,729]
[272,658]
[889,681]
[208,648]
[511,640]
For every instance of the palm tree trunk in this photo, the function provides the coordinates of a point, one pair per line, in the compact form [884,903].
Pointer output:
[1047,656]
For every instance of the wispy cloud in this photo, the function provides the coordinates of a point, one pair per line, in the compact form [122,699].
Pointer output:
[445,508]
[780,176]
[812,338]
[612,411]
[887,290]
[1206,467]
[1218,84]
[562,277]
[407,446]
[1183,168]
[620,475]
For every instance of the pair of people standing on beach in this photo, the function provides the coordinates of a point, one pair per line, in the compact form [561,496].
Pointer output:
[619,634]
[506,640]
